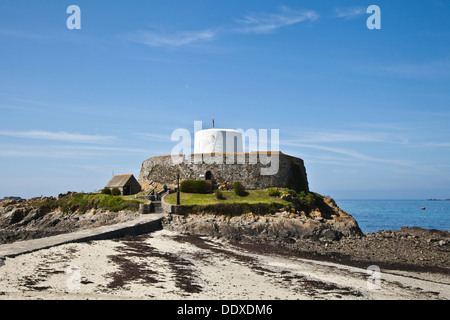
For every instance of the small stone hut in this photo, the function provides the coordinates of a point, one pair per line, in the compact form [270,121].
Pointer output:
[126,183]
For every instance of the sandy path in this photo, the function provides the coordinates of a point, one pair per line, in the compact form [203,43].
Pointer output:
[167,265]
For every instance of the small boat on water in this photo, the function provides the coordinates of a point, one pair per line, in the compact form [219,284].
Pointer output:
[423,208]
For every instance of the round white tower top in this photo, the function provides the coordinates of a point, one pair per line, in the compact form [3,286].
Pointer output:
[218,141]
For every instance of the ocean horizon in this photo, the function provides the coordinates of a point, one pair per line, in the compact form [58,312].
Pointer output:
[387,214]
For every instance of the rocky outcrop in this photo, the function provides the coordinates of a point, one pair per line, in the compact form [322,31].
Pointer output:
[330,224]
[24,220]
[413,249]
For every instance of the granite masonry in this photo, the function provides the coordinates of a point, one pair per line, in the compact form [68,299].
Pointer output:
[249,168]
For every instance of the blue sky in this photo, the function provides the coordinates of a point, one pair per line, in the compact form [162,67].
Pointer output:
[367,110]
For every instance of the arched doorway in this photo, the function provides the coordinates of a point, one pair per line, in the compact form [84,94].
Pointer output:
[208,175]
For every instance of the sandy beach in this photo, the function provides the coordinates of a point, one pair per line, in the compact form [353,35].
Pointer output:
[167,265]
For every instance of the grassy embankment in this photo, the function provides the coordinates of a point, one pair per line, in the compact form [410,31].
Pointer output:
[252,196]
[256,201]
[83,202]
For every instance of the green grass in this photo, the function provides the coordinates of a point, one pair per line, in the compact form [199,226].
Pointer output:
[256,201]
[82,202]
[251,197]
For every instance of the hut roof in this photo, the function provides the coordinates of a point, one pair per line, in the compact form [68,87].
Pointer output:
[119,180]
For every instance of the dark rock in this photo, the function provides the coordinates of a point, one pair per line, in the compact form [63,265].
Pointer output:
[34,214]
[62,195]
[329,234]
[289,240]
[15,215]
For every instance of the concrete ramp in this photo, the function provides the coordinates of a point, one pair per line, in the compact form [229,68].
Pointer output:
[143,224]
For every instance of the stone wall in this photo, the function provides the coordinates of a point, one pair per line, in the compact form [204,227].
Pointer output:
[247,168]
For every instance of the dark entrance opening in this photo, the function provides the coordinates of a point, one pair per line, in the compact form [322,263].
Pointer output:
[208,175]
[126,190]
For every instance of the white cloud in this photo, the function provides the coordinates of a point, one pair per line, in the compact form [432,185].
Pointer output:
[256,23]
[46,152]
[438,144]
[326,142]
[322,136]
[432,69]
[102,148]
[349,13]
[178,39]
[267,23]
[64,152]
[155,137]
[350,153]
[429,69]
[58,136]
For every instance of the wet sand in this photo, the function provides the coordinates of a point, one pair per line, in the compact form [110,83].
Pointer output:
[167,265]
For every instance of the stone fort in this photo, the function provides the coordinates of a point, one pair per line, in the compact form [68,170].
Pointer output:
[218,156]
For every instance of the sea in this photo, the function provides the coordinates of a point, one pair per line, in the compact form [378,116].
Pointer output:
[375,215]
